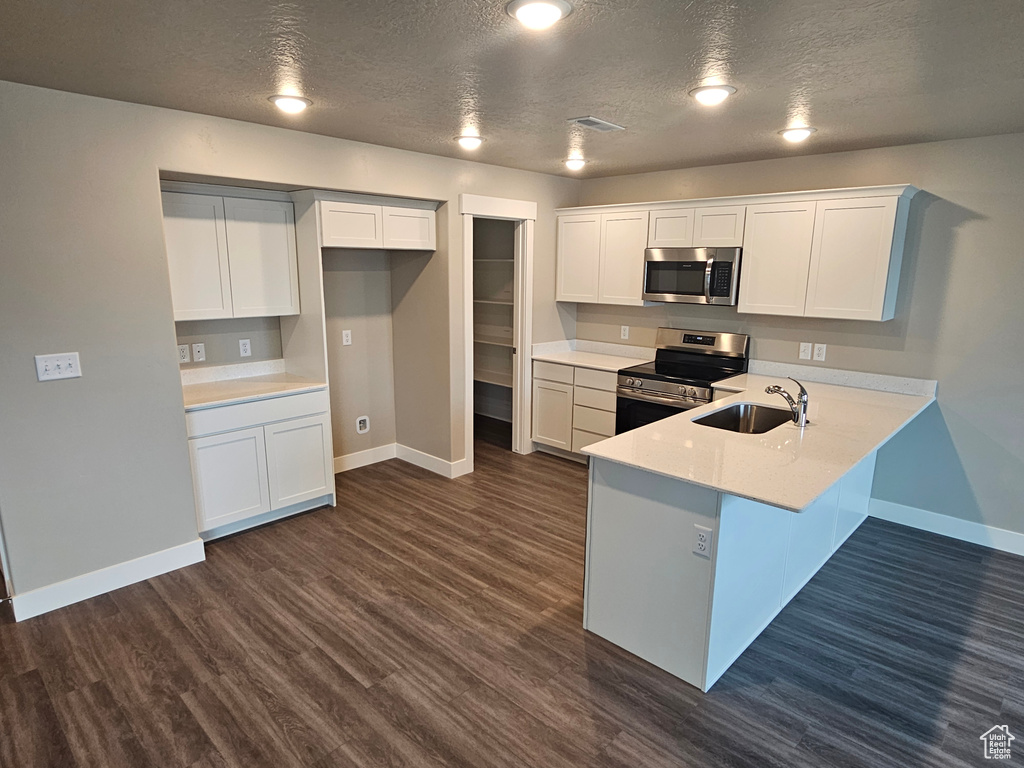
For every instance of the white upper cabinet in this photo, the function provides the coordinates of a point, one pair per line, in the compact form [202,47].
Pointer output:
[409,228]
[719,227]
[579,257]
[261,251]
[671,228]
[359,225]
[623,239]
[230,257]
[351,225]
[776,255]
[197,256]
[601,257]
[854,259]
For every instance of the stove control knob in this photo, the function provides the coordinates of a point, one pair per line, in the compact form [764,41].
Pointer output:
[629,382]
[639,382]
[692,392]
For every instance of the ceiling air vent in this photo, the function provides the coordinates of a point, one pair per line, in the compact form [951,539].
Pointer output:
[596,124]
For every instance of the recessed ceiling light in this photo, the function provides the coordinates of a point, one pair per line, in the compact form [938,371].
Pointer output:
[796,135]
[291,104]
[538,14]
[469,142]
[710,95]
[575,163]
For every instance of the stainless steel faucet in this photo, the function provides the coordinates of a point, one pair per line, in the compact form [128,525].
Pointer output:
[798,406]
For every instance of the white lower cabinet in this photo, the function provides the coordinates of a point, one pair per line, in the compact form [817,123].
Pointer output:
[229,472]
[572,407]
[552,413]
[297,465]
[257,457]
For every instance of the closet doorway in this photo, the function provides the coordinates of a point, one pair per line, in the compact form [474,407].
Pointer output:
[498,242]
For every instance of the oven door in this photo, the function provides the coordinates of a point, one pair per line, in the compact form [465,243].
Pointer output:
[634,409]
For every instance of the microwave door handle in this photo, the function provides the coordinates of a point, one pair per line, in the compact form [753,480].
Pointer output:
[707,281]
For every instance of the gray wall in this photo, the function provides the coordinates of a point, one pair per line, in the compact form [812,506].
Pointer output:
[94,471]
[357,297]
[960,315]
[220,339]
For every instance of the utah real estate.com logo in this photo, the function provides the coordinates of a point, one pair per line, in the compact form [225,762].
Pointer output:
[997,742]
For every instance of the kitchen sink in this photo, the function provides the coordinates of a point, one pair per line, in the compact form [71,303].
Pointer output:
[747,418]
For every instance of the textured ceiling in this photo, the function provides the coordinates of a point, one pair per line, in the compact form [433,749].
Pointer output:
[415,74]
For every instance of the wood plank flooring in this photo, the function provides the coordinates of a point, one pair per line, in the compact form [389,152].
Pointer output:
[428,622]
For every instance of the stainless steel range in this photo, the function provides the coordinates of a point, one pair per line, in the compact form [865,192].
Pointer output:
[686,365]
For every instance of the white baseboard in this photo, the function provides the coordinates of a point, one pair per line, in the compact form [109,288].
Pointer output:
[327,500]
[45,599]
[944,525]
[449,469]
[364,458]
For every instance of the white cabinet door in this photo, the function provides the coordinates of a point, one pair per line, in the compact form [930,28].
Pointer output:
[672,228]
[623,240]
[552,413]
[351,225]
[850,257]
[579,257]
[719,227]
[776,256]
[261,251]
[229,473]
[409,229]
[197,256]
[299,463]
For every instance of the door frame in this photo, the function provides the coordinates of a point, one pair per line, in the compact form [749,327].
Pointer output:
[524,213]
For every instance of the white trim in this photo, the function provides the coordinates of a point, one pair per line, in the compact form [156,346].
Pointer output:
[222,190]
[467,341]
[944,525]
[449,469]
[364,458]
[579,458]
[212,373]
[74,590]
[877,381]
[522,360]
[327,500]
[497,208]
[893,190]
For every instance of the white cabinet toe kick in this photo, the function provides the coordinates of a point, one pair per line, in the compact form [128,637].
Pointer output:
[687,577]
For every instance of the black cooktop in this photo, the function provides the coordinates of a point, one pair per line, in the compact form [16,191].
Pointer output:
[686,368]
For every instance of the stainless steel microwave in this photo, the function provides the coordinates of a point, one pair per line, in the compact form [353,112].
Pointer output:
[692,275]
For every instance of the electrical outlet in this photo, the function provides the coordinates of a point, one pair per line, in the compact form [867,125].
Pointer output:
[183,355]
[346,338]
[362,425]
[199,352]
[703,539]
[244,348]
[62,366]
[819,352]
[624,332]
[805,350]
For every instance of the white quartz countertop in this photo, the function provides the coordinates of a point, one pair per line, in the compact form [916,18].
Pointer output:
[230,391]
[786,467]
[595,360]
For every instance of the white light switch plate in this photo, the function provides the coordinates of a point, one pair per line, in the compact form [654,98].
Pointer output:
[62,366]
[198,352]
[805,350]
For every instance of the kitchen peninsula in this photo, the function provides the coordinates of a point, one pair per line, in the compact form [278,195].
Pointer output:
[697,537]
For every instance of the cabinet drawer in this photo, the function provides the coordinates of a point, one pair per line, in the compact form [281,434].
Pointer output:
[208,421]
[552,372]
[594,398]
[581,439]
[593,420]
[588,377]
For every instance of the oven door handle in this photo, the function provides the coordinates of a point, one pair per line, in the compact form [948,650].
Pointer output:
[648,397]
[707,280]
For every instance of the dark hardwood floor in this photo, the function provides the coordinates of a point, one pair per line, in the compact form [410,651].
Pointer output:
[428,622]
